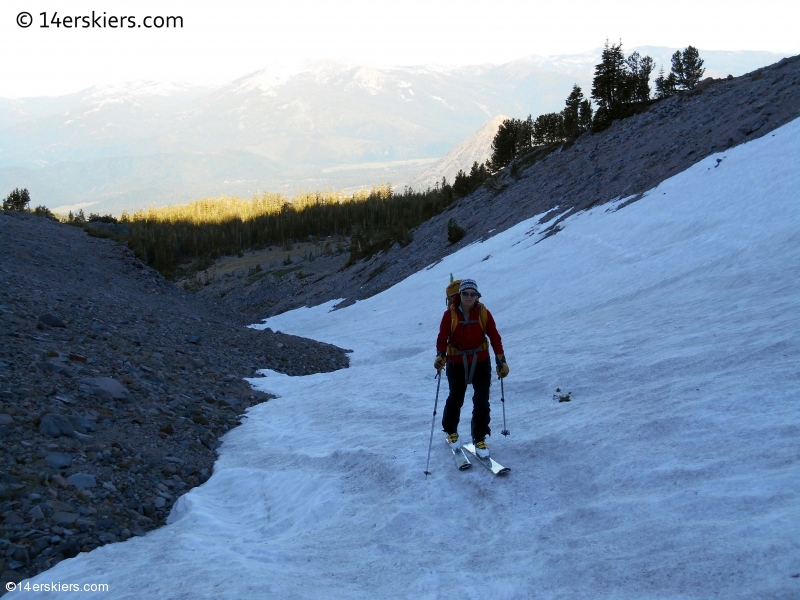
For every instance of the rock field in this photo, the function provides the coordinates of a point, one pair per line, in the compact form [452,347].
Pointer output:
[115,387]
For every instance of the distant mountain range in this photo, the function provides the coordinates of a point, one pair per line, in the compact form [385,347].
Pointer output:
[476,147]
[286,128]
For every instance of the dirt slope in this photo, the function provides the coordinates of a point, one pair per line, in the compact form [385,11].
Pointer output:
[632,156]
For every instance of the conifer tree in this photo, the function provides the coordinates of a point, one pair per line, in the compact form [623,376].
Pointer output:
[609,84]
[585,115]
[692,70]
[461,184]
[619,84]
[477,173]
[687,71]
[18,199]
[512,137]
[571,113]
[638,69]
[548,129]
[677,66]
[665,86]
[522,140]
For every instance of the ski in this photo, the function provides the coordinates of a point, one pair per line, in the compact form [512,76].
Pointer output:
[461,458]
[488,462]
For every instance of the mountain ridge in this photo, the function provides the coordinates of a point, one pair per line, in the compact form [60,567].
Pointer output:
[338,114]
[622,162]
[476,147]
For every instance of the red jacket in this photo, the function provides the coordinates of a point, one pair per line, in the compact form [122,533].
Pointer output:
[468,337]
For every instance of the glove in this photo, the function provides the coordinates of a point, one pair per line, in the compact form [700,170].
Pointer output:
[440,362]
[502,366]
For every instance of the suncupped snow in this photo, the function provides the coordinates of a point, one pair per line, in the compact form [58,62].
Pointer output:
[673,472]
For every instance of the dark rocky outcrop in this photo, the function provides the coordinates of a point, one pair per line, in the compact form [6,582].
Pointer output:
[115,387]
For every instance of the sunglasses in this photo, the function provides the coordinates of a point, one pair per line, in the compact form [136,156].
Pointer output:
[470,294]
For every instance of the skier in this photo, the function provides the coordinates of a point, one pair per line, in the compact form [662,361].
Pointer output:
[462,349]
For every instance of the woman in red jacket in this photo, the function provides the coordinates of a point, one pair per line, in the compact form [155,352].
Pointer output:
[462,348]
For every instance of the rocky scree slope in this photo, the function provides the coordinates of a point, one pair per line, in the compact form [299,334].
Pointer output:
[632,156]
[114,389]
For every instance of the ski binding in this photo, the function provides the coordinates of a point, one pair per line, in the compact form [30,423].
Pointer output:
[488,462]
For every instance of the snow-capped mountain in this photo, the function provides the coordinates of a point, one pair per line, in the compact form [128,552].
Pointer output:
[288,126]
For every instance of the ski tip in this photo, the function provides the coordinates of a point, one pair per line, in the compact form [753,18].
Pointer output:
[465,466]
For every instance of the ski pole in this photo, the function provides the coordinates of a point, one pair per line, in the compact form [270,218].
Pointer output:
[503,402]
[433,422]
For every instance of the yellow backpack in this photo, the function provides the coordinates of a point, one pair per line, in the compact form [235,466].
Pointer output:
[453,290]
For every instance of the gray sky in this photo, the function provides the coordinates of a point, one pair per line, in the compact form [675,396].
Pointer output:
[220,41]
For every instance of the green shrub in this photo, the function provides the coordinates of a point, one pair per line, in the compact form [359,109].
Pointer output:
[96,218]
[43,211]
[78,220]
[454,231]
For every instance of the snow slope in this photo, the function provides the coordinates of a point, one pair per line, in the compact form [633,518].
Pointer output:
[673,473]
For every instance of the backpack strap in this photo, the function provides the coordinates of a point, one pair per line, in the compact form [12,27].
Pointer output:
[453,351]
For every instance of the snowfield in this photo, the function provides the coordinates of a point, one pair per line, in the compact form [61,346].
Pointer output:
[674,472]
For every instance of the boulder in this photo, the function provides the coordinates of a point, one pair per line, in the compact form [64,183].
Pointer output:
[64,518]
[85,495]
[6,478]
[18,553]
[13,519]
[59,481]
[703,85]
[82,424]
[69,548]
[51,320]
[82,480]
[53,425]
[59,460]
[58,505]
[107,387]
[53,366]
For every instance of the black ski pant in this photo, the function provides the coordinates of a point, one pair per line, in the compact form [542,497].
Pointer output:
[481,382]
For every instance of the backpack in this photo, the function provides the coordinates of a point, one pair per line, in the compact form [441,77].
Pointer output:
[452,292]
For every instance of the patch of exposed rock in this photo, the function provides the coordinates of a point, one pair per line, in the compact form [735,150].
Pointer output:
[631,157]
[115,387]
